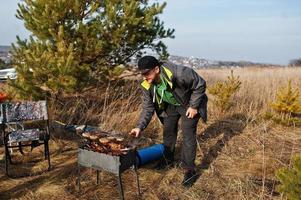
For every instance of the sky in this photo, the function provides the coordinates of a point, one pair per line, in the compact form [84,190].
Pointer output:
[267,31]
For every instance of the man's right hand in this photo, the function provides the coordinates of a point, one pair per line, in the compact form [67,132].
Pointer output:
[135,131]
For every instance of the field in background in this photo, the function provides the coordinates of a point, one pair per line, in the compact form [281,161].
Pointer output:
[238,152]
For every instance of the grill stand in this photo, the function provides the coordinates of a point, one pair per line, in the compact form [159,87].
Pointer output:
[117,173]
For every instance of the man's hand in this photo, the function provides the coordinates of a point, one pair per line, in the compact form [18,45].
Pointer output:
[135,131]
[191,113]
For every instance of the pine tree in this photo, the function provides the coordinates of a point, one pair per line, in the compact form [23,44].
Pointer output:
[287,106]
[224,90]
[291,180]
[287,100]
[75,42]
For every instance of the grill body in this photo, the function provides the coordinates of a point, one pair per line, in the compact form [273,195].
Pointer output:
[113,164]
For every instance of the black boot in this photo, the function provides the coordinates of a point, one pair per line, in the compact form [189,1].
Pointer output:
[190,177]
[167,160]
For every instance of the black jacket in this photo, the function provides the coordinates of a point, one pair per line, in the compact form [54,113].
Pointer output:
[185,84]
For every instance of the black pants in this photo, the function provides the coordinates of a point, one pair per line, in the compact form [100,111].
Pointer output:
[189,128]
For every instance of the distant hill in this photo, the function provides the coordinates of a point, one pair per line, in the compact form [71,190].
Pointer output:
[191,61]
[198,63]
[4,48]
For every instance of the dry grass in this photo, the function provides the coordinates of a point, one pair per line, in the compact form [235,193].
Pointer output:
[259,85]
[237,156]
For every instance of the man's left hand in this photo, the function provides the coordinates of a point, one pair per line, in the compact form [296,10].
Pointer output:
[191,112]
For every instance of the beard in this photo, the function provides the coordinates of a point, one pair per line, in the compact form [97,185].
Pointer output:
[157,79]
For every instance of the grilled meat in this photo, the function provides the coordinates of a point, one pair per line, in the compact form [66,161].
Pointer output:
[100,142]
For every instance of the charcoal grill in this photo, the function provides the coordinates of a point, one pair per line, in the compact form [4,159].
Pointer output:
[110,163]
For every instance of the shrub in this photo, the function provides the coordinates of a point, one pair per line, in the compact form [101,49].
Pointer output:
[224,91]
[286,107]
[291,180]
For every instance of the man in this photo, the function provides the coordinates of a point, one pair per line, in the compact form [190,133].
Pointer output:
[173,92]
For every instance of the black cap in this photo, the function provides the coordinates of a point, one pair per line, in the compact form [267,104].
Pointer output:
[147,63]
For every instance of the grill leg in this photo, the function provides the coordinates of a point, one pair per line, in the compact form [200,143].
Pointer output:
[78,177]
[137,179]
[97,177]
[120,187]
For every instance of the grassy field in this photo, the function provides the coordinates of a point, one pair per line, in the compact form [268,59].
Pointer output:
[238,151]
